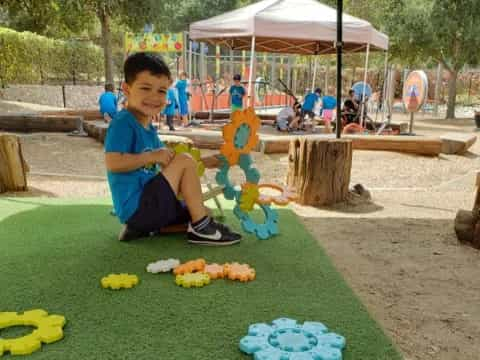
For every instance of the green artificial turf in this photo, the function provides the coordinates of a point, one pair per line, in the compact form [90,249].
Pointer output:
[53,254]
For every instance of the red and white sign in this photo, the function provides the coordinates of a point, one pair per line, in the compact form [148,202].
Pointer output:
[415,90]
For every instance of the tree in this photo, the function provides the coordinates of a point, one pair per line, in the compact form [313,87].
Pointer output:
[443,30]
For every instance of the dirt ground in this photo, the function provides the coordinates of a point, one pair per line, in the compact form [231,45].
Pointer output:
[399,253]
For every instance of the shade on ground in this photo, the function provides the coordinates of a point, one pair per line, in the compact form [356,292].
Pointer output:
[53,254]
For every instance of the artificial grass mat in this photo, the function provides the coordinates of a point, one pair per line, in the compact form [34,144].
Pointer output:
[53,254]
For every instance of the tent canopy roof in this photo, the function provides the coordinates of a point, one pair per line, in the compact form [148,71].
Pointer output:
[287,26]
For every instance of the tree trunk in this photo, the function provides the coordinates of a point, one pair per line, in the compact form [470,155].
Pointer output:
[13,167]
[319,170]
[452,94]
[107,44]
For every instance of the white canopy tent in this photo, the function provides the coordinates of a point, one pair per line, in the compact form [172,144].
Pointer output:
[304,27]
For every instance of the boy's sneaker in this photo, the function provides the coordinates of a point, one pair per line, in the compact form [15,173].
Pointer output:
[213,234]
[127,234]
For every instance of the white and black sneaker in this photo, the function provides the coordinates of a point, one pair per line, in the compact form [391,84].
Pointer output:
[212,233]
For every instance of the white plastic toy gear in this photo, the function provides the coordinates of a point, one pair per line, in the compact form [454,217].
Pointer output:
[162,266]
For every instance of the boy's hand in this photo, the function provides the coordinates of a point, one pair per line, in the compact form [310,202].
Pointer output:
[211,162]
[161,156]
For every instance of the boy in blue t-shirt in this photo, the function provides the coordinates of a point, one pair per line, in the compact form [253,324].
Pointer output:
[170,108]
[237,92]
[144,176]
[108,103]
[309,104]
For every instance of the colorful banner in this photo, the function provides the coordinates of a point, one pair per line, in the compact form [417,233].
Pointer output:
[151,42]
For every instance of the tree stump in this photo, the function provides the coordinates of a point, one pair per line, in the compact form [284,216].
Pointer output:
[467,223]
[13,167]
[319,170]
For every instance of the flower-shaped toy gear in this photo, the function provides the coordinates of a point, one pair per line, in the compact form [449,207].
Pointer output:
[215,271]
[194,152]
[248,197]
[251,174]
[240,135]
[119,281]
[287,340]
[163,266]
[262,231]
[241,272]
[190,267]
[192,280]
[284,198]
[49,329]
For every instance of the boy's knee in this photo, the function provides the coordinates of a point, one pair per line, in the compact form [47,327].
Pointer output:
[186,159]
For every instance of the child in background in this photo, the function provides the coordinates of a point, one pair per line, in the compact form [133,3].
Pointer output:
[309,104]
[236,94]
[144,176]
[170,108]
[108,103]
[182,86]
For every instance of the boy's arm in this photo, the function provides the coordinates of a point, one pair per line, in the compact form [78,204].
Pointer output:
[125,162]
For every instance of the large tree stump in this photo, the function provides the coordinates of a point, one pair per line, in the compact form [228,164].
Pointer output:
[13,167]
[319,170]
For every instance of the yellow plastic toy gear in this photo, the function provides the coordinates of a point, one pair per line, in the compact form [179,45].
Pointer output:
[240,135]
[192,280]
[249,196]
[119,281]
[49,329]
[194,152]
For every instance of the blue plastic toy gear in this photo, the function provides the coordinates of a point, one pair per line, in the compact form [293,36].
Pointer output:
[262,231]
[287,340]
[252,175]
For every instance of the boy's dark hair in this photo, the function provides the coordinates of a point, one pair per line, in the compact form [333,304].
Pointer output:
[351,92]
[237,77]
[109,87]
[318,90]
[139,62]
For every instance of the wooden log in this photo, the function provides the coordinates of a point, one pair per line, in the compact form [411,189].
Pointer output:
[413,145]
[87,114]
[457,143]
[319,170]
[13,167]
[47,123]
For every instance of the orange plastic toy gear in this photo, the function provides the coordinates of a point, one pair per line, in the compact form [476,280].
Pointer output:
[283,199]
[240,135]
[190,267]
[215,271]
[241,272]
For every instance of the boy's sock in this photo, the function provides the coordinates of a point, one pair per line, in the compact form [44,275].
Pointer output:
[200,224]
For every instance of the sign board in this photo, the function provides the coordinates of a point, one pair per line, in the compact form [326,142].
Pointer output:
[152,42]
[415,91]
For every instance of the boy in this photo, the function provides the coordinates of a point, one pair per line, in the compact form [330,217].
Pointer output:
[237,92]
[288,118]
[309,104]
[108,103]
[169,110]
[145,177]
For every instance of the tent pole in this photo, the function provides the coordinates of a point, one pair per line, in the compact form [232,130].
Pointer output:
[339,45]
[250,75]
[314,73]
[385,84]
[364,85]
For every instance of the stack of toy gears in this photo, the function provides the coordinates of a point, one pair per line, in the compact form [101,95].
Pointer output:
[240,138]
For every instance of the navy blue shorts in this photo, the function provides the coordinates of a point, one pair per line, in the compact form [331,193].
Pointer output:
[159,207]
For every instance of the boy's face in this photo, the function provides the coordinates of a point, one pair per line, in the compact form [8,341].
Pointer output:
[236,82]
[147,93]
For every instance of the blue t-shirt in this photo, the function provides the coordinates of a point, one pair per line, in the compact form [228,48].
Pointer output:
[329,102]
[309,102]
[171,103]
[126,135]
[108,103]
[237,93]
